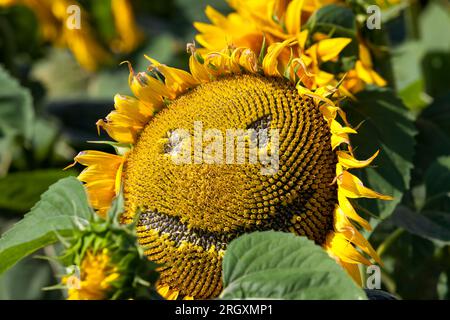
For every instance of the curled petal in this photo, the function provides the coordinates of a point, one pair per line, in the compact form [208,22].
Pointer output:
[348,161]
[352,187]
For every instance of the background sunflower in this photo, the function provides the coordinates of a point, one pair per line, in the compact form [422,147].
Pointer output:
[55,84]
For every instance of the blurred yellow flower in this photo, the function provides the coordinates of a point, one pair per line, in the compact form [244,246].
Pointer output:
[257,22]
[83,42]
[129,35]
[95,278]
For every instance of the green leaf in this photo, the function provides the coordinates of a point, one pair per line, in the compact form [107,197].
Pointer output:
[62,76]
[16,108]
[277,265]
[439,113]
[385,125]
[411,265]
[436,66]
[437,184]
[434,21]
[423,59]
[430,225]
[414,96]
[26,280]
[63,208]
[20,191]
[406,61]
[433,140]
[333,17]
[46,135]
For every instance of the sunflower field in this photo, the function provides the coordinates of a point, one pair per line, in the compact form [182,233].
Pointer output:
[225,149]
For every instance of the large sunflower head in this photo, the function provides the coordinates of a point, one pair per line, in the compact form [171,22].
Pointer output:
[234,146]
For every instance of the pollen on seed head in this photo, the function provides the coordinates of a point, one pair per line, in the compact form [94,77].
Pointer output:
[191,211]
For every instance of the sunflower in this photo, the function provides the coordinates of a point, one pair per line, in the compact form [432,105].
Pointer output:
[53,16]
[187,213]
[95,278]
[255,24]
[103,262]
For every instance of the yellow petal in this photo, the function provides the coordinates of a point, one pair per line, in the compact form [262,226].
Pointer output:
[119,132]
[177,81]
[350,212]
[364,56]
[129,34]
[198,70]
[362,72]
[92,157]
[146,88]
[302,37]
[133,108]
[352,187]
[215,16]
[353,270]
[246,58]
[118,179]
[348,161]
[293,18]
[344,227]
[378,80]
[337,140]
[317,95]
[337,245]
[323,78]
[270,61]
[329,49]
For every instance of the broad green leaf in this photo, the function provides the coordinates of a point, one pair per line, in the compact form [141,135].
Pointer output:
[406,62]
[277,265]
[46,135]
[434,21]
[414,95]
[16,108]
[439,113]
[430,225]
[436,67]
[20,191]
[385,125]
[26,279]
[433,140]
[333,17]
[410,263]
[61,75]
[63,208]
[421,60]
